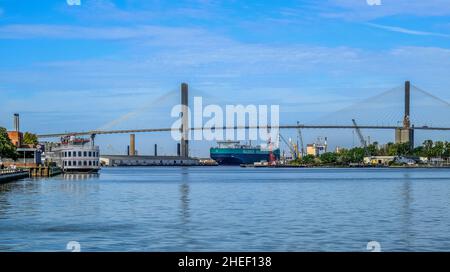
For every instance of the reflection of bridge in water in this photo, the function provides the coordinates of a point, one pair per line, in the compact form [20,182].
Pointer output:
[373,107]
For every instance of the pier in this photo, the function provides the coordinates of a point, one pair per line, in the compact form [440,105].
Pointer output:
[45,171]
[12,175]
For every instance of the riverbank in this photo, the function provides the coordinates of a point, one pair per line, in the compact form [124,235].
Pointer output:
[12,175]
[347,166]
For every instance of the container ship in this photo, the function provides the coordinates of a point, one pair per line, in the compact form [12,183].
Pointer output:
[234,153]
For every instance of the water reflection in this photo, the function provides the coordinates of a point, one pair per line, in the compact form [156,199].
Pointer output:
[184,196]
[406,213]
[173,209]
[80,176]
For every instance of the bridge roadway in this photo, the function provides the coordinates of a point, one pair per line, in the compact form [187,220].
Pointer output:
[128,131]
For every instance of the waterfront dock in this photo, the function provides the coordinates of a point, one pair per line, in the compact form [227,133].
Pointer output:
[45,171]
[13,175]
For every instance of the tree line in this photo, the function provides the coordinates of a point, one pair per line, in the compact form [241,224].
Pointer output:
[428,149]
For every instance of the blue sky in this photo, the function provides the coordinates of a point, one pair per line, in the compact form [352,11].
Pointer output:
[68,68]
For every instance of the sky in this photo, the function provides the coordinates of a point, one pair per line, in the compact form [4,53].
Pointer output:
[68,67]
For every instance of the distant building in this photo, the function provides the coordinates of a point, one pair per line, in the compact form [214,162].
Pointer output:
[29,156]
[16,138]
[379,160]
[318,148]
[404,135]
[122,160]
[438,162]
[406,160]
[387,160]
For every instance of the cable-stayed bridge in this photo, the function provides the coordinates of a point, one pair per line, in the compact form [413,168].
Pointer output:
[380,112]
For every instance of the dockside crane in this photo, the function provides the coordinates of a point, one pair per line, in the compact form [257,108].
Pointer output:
[300,137]
[361,138]
[291,148]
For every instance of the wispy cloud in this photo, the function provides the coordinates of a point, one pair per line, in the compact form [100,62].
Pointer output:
[360,10]
[108,11]
[408,31]
[30,31]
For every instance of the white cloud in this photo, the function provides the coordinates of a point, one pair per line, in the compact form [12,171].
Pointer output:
[26,31]
[104,10]
[187,52]
[408,31]
[160,57]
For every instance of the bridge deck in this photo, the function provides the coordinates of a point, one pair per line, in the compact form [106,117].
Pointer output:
[100,132]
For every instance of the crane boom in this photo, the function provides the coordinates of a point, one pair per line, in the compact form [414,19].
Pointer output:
[361,137]
[300,137]
[289,145]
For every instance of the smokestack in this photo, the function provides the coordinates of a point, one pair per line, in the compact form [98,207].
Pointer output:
[132,145]
[128,150]
[16,122]
[178,149]
[156,150]
[406,120]
[185,120]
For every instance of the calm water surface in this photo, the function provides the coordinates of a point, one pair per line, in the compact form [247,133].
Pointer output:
[229,209]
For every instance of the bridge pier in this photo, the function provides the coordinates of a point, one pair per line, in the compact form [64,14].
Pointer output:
[406,134]
[185,121]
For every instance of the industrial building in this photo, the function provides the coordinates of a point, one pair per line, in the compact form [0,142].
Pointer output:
[122,160]
[318,148]
[379,160]
[387,160]
[29,156]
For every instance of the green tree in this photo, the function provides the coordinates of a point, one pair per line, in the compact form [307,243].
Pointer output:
[403,149]
[357,154]
[30,139]
[446,154]
[354,155]
[7,149]
[308,159]
[373,149]
[428,148]
[419,151]
[328,158]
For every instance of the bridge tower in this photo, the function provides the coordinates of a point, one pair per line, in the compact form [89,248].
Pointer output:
[184,121]
[406,133]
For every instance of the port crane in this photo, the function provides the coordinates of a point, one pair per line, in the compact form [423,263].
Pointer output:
[361,138]
[300,137]
[291,148]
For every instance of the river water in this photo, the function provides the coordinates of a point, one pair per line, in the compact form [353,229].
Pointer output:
[229,209]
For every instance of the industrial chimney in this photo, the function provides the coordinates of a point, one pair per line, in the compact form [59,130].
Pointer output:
[184,121]
[16,122]
[132,145]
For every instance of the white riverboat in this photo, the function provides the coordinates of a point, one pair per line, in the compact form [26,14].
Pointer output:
[78,155]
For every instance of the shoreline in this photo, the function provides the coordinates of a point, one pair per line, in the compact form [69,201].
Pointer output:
[348,167]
